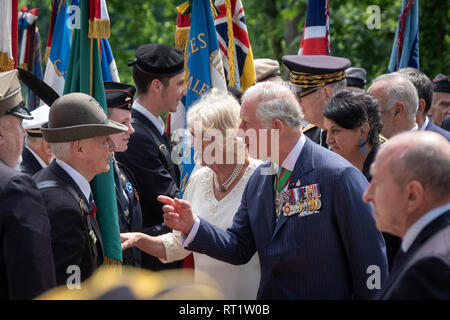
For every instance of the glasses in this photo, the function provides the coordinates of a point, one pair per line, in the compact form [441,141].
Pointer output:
[300,96]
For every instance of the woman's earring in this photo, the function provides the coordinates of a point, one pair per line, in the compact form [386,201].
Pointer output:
[362,148]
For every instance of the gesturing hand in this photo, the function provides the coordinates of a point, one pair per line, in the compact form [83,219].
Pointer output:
[177,214]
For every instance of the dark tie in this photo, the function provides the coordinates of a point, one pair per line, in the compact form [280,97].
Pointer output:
[323,138]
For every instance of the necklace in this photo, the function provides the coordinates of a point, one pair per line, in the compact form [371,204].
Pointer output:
[224,186]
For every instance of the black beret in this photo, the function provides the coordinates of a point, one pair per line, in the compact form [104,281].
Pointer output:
[119,95]
[312,71]
[158,60]
[441,83]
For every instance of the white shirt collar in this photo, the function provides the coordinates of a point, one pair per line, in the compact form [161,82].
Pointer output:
[41,162]
[158,122]
[425,123]
[415,128]
[291,159]
[81,181]
[420,224]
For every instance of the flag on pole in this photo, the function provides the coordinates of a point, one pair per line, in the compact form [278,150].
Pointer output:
[8,34]
[56,69]
[84,74]
[109,68]
[30,49]
[405,50]
[234,44]
[316,33]
[204,71]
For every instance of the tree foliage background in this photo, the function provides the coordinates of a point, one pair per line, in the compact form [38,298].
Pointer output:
[275,28]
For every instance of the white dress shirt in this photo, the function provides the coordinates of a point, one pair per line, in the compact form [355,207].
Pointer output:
[420,224]
[425,123]
[158,122]
[81,181]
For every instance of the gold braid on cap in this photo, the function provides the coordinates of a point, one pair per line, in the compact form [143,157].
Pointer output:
[308,80]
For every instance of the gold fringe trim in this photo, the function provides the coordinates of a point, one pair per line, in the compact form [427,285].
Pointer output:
[112,264]
[99,28]
[230,44]
[214,10]
[47,54]
[181,37]
[6,63]
[183,7]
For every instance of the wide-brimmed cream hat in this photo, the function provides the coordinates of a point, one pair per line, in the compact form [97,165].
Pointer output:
[76,116]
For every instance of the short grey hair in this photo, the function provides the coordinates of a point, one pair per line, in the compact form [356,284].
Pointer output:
[275,101]
[400,88]
[215,110]
[61,149]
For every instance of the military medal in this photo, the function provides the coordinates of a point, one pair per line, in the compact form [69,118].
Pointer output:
[277,199]
[92,235]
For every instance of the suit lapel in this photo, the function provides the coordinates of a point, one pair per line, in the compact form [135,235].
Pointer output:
[303,166]
[399,266]
[64,176]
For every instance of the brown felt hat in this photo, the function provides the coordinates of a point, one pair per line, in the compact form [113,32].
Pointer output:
[11,101]
[76,116]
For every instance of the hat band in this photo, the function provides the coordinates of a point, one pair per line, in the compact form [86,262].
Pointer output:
[34,133]
[308,80]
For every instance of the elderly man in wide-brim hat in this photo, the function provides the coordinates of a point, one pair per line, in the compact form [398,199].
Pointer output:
[78,131]
[26,261]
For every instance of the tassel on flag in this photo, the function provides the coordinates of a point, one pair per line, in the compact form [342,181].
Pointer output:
[98,20]
[8,34]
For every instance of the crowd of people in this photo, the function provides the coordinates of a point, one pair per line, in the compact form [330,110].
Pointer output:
[313,187]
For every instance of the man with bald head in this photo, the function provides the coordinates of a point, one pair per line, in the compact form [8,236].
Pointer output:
[410,195]
[398,101]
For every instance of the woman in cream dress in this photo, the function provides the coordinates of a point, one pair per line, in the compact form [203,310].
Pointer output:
[215,191]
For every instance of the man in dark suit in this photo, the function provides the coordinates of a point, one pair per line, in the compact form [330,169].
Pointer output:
[78,132]
[36,154]
[158,73]
[119,99]
[26,261]
[424,87]
[315,80]
[410,195]
[315,237]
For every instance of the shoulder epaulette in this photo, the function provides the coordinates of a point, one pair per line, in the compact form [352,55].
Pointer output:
[309,126]
[382,139]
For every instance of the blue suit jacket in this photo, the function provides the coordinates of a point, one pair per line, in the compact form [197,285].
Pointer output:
[432,127]
[321,256]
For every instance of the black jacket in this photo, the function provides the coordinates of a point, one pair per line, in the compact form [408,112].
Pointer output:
[73,243]
[29,164]
[26,261]
[154,177]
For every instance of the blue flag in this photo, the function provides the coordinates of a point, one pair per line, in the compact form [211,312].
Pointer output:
[109,68]
[55,72]
[405,51]
[204,71]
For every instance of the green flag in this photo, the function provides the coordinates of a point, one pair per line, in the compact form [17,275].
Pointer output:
[84,74]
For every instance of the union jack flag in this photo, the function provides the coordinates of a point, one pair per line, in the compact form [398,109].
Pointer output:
[316,33]
[239,49]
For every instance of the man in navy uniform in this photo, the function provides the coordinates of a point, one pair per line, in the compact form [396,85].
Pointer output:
[36,154]
[119,99]
[158,73]
[315,237]
[78,132]
[26,261]
[315,80]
